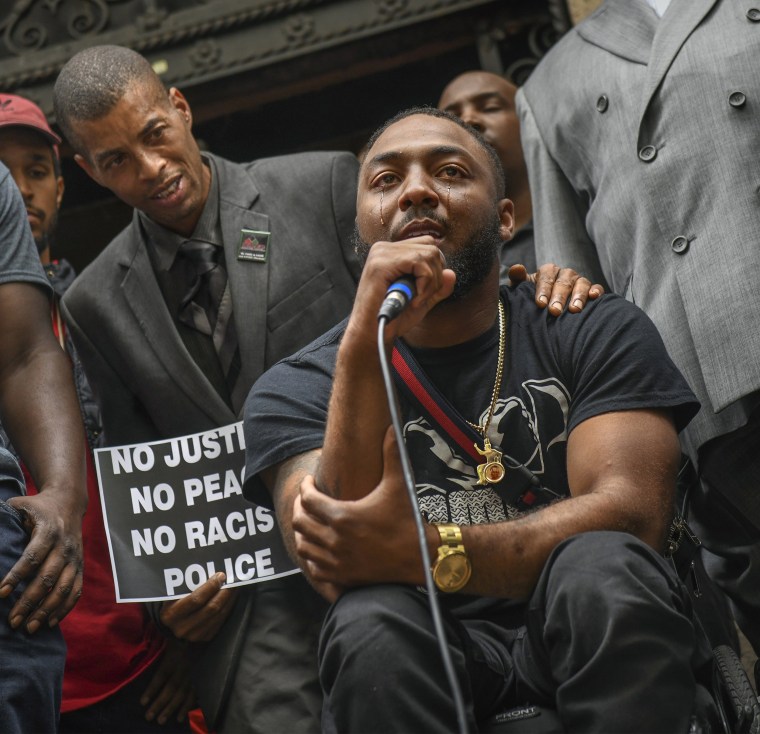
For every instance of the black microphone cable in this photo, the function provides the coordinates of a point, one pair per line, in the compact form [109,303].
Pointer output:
[432,591]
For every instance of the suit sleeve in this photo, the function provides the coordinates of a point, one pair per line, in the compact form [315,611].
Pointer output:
[345,172]
[559,214]
[118,405]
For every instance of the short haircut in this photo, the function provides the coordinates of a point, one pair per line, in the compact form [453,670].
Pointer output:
[493,157]
[93,81]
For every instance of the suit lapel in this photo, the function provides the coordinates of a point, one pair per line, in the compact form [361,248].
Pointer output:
[679,21]
[143,296]
[625,28]
[248,279]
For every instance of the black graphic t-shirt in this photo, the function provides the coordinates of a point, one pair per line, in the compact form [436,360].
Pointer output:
[558,372]
[461,380]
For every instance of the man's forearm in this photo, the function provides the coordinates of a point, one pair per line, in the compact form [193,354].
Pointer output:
[41,415]
[38,401]
[622,471]
[358,414]
[351,464]
[283,482]
[507,558]
[43,420]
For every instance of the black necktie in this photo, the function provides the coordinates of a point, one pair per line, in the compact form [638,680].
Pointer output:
[199,307]
[207,304]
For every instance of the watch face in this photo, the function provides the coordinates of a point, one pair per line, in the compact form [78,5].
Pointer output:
[452,571]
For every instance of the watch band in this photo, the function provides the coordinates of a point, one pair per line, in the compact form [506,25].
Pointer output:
[451,569]
[451,535]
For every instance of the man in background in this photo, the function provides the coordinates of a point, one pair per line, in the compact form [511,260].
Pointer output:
[486,102]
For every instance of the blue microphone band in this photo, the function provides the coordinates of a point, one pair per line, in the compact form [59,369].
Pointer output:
[403,287]
[398,295]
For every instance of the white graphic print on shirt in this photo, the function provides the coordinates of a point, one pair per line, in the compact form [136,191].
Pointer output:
[525,427]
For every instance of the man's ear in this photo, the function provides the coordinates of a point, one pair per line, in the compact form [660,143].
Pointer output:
[59,193]
[506,219]
[86,166]
[182,106]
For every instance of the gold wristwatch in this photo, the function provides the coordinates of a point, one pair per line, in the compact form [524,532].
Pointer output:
[451,569]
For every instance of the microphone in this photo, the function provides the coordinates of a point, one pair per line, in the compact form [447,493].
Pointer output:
[398,295]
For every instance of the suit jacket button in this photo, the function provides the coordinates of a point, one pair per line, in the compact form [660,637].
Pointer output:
[680,244]
[753,14]
[737,99]
[648,153]
[602,103]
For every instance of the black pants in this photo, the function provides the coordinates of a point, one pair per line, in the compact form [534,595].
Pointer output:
[608,641]
[120,713]
[31,666]
[724,510]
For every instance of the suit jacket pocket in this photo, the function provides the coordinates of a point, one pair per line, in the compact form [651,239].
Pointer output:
[306,314]
[297,303]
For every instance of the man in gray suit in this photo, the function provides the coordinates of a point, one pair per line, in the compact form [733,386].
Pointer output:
[640,134]
[163,363]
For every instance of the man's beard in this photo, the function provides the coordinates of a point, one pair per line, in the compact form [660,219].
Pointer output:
[46,240]
[472,263]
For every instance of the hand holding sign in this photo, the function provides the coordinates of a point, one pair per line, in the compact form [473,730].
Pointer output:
[198,616]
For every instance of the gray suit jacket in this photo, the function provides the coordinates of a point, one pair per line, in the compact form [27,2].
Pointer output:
[641,138]
[150,388]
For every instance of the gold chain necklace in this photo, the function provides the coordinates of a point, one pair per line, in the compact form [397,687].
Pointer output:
[492,470]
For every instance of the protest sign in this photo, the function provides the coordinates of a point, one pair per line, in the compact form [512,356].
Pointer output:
[175,515]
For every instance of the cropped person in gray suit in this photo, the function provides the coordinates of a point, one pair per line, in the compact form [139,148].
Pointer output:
[640,130]
[225,269]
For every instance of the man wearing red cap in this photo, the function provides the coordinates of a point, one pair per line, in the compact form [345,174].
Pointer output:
[96,688]
[40,536]
[30,150]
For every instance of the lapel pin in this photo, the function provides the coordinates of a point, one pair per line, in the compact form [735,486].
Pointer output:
[253,245]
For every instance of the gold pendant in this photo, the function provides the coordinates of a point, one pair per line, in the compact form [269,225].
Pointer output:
[492,471]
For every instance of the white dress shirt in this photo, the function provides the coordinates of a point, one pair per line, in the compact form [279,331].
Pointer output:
[659,6]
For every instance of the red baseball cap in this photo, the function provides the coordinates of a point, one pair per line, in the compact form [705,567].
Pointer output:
[20,112]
